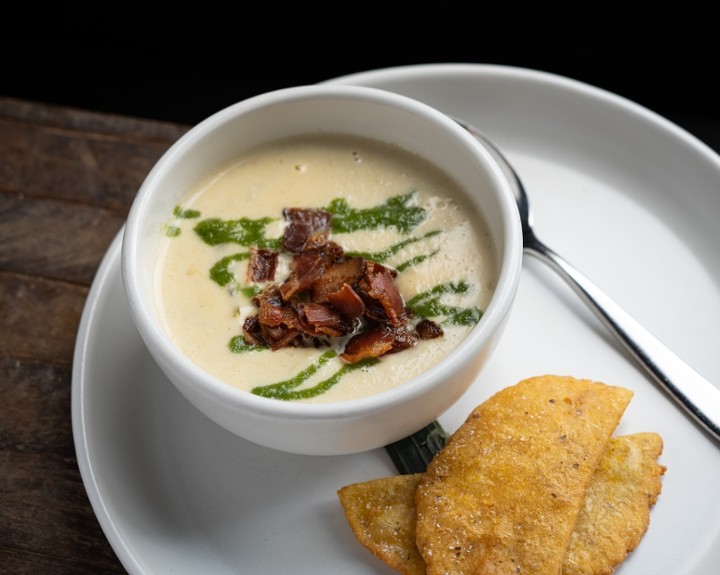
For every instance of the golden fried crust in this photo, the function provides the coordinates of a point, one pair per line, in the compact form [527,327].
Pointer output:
[616,513]
[381,513]
[615,516]
[503,496]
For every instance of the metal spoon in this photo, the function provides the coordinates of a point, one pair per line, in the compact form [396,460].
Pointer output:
[694,393]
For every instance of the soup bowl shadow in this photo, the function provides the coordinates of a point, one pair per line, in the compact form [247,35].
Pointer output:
[335,427]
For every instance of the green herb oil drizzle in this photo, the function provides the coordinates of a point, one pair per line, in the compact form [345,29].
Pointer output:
[429,304]
[394,248]
[394,213]
[286,391]
[173,230]
[221,273]
[237,344]
[244,231]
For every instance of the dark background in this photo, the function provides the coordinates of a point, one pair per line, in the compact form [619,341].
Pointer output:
[181,63]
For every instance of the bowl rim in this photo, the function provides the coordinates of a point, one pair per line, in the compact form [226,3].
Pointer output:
[158,342]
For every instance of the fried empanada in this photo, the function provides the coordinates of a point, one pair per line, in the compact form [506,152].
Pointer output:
[616,514]
[503,496]
[381,513]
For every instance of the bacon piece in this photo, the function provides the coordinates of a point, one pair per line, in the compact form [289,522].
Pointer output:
[348,271]
[277,322]
[379,285]
[372,343]
[332,253]
[273,311]
[378,341]
[317,319]
[308,229]
[374,311]
[281,336]
[379,268]
[306,268]
[404,339]
[428,329]
[347,301]
[262,265]
[275,336]
[329,296]
[252,331]
[316,218]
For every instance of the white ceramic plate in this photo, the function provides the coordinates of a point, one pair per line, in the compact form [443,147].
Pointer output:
[627,196]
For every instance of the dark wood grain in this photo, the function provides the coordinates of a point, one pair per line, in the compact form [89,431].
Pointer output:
[67,179]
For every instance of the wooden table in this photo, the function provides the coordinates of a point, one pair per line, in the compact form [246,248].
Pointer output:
[67,179]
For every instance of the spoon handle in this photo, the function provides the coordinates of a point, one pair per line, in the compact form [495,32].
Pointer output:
[699,397]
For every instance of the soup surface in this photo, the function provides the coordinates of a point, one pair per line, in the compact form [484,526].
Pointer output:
[386,205]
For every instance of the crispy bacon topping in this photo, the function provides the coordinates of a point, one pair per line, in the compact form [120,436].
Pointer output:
[262,266]
[379,284]
[347,301]
[308,229]
[329,295]
[305,269]
[428,329]
[323,319]
[346,272]
[372,343]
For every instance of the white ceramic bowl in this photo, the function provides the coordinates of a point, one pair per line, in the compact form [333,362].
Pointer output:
[335,427]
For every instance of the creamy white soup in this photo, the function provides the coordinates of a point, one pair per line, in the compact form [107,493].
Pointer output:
[381,205]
